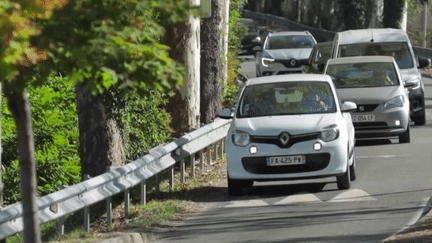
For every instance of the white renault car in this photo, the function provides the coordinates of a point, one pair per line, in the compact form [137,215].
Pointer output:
[375,85]
[284,53]
[289,127]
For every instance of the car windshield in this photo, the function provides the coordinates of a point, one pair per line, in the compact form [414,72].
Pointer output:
[398,50]
[289,42]
[286,98]
[359,75]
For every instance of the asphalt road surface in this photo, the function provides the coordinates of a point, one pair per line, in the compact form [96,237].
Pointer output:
[393,184]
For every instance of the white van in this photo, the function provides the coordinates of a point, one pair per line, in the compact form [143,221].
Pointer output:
[388,42]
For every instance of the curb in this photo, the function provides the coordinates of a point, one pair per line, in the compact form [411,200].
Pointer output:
[130,238]
[426,215]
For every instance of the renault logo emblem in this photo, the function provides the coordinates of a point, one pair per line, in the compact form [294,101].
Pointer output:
[361,108]
[284,138]
[293,62]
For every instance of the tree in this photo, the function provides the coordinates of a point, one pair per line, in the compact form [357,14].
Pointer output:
[16,55]
[184,40]
[112,49]
[211,57]
[393,13]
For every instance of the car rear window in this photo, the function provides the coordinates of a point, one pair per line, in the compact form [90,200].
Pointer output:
[398,50]
[359,75]
[288,98]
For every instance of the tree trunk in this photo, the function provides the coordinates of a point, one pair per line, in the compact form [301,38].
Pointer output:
[184,107]
[101,143]
[19,105]
[211,70]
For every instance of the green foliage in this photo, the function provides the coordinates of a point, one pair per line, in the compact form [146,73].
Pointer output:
[56,139]
[393,13]
[113,44]
[236,32]
[145,123]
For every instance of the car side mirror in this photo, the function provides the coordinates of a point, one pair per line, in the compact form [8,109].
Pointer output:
[226,113]
[348,106]
[423,62]
[409,84]
[256,49]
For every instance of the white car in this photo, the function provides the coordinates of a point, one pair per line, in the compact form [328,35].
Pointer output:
[375,85]
[284,53]
[288,127]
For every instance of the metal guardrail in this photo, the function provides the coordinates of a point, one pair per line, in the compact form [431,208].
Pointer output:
[319,34]
[81,196]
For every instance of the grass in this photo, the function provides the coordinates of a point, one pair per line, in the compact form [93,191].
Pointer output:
[161,207]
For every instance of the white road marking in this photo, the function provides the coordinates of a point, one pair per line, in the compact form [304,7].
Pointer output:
[353,195]
[378,156]
[347,196]
[247,203]
[299,198]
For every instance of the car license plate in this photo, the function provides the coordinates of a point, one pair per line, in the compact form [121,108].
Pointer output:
[286,160]
[363,118]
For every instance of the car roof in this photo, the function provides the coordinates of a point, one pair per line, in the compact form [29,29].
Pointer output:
[289,78]
[372,35]
[322,44]
[287,33]
[360,59]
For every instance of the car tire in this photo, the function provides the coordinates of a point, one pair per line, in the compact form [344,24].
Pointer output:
[352,168]
[235,187]
[420,120]
[405,137]
[344,181]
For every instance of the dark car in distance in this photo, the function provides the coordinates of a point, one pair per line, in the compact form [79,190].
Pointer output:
[318,57]
[252,37]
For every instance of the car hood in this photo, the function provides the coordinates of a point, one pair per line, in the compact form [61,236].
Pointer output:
[294,124]
[369,95]
[286,54]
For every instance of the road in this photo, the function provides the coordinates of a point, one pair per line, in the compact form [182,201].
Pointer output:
[393,184]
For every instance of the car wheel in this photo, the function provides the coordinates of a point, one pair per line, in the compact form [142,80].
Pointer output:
[405,137]
[235,187]
[344,181]
[352,168]
[420,120]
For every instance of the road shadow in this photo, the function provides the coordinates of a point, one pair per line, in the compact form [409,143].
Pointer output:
[372,142]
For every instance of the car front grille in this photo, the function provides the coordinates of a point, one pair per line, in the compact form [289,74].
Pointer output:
[289,63]
[359,126]
[258,165]
[366,108]
[293,139]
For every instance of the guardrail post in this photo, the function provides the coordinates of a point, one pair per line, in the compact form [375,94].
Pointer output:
[182,171]
[86,209]
[60,226]
[192,159]
[143,190]
[157,183]
[109,203]
[127,202]
[201,155]
[209,155]
[215,151]
[222,144]
[171,180]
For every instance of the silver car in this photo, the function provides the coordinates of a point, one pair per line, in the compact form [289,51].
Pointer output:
[375,85]
[284,53]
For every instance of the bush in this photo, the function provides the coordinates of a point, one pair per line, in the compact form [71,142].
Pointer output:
[55,126]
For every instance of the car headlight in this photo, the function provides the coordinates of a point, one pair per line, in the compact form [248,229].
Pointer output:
[240,138]
[415,83]
[266,61]
[330,133]
[397,101]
